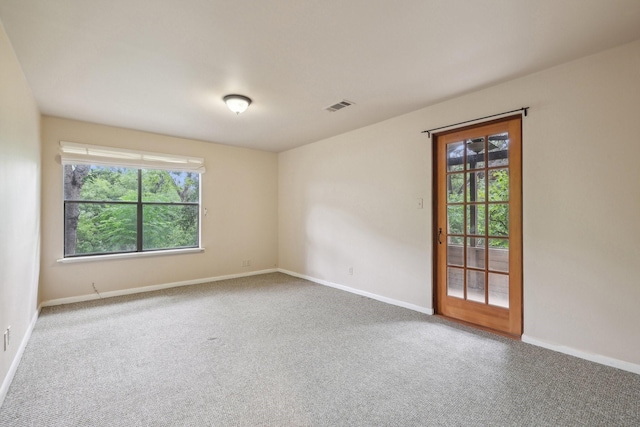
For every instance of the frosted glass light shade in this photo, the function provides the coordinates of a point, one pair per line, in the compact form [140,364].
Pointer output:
[237,103]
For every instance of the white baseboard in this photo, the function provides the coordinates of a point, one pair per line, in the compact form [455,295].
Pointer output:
[391,301]
[90,297]
[603,360]
[4,389]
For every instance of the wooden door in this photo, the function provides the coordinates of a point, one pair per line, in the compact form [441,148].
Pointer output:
[478,224]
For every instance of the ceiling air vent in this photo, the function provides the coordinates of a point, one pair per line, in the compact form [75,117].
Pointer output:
[339,106]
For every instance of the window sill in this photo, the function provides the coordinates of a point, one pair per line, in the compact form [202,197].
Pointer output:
[129,255]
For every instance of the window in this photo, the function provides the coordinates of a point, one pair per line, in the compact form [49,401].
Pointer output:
[116,208]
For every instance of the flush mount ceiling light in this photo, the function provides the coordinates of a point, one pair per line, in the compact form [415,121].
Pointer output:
[237,103]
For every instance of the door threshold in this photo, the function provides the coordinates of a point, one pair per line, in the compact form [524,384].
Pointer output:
[482,328]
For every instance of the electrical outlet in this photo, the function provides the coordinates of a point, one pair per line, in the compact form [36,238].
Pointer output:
[350,271]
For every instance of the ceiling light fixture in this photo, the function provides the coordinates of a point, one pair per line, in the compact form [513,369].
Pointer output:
[237,103]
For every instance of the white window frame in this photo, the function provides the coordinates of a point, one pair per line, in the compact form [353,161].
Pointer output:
[88,154]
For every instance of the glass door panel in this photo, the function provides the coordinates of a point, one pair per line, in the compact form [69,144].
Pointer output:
[475,286]
[499,255]
[498,150]
[455,282]
[455,251]
[499,290]
[475,252]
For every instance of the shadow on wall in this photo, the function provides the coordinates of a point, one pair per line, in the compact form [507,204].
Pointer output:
[362,240]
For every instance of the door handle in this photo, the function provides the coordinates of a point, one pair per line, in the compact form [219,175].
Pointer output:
[439,235]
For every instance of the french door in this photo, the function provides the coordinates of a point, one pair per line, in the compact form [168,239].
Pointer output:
[478,224]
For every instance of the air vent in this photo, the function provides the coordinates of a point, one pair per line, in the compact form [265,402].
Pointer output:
[339,106]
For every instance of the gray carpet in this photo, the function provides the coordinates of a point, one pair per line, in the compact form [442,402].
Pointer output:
[273,350]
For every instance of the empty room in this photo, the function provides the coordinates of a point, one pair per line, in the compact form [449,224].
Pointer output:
[300,213]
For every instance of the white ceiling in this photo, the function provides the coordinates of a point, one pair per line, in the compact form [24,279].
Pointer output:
[163,66]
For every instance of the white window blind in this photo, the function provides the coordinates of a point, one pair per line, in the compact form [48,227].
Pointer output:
[86,154]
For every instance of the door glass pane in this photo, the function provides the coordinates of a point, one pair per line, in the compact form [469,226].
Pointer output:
[499,290]
[475,286]
[455,188]
[475,252]
[476,186]
[455,282]
[475,153]
[499,255]
[455,159]
[475,219]
[498,150]
[499,219]
[455,251]
[499,185]
[455,219]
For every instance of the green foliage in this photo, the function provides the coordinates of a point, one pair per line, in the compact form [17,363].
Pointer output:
[106,228]
[113,184]
[167,226]
[499,212]
[112,227]
[499,185]
[476,212]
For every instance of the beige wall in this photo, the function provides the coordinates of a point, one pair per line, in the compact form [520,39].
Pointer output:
[19,206]
[239,191]
[351,201]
